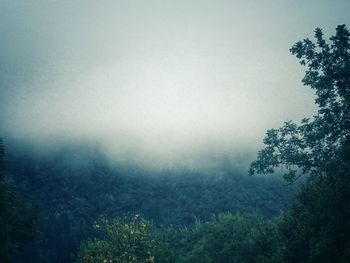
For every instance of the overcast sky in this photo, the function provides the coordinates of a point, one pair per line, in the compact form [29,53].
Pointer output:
[157,80]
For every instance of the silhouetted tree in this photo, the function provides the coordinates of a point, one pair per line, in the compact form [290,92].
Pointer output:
[317,227]
[310,146]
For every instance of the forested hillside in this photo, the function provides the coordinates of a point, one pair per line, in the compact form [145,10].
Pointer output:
[71,189]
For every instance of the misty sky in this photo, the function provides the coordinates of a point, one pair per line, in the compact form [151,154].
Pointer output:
[156,80]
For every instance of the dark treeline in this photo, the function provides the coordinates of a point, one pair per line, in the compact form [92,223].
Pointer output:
[85,211]
[70,197]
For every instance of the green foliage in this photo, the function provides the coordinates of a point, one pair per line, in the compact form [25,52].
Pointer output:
[171,243]
[317,227]
[16,219]
[71,198]
[333,232]
[124,240]
[308,147]
[225,238]
[233,238]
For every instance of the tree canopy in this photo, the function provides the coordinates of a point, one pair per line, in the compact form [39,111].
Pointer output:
[125,240]
[316,228]
[309,146]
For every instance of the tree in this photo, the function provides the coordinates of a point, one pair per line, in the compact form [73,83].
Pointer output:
[124,240]
[232,238]
[16,219]
[317,227]
[308,147]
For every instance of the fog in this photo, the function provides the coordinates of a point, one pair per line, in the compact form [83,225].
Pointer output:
[161,83]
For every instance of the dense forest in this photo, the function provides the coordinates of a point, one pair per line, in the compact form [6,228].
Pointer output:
[70,196]
[73,206]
